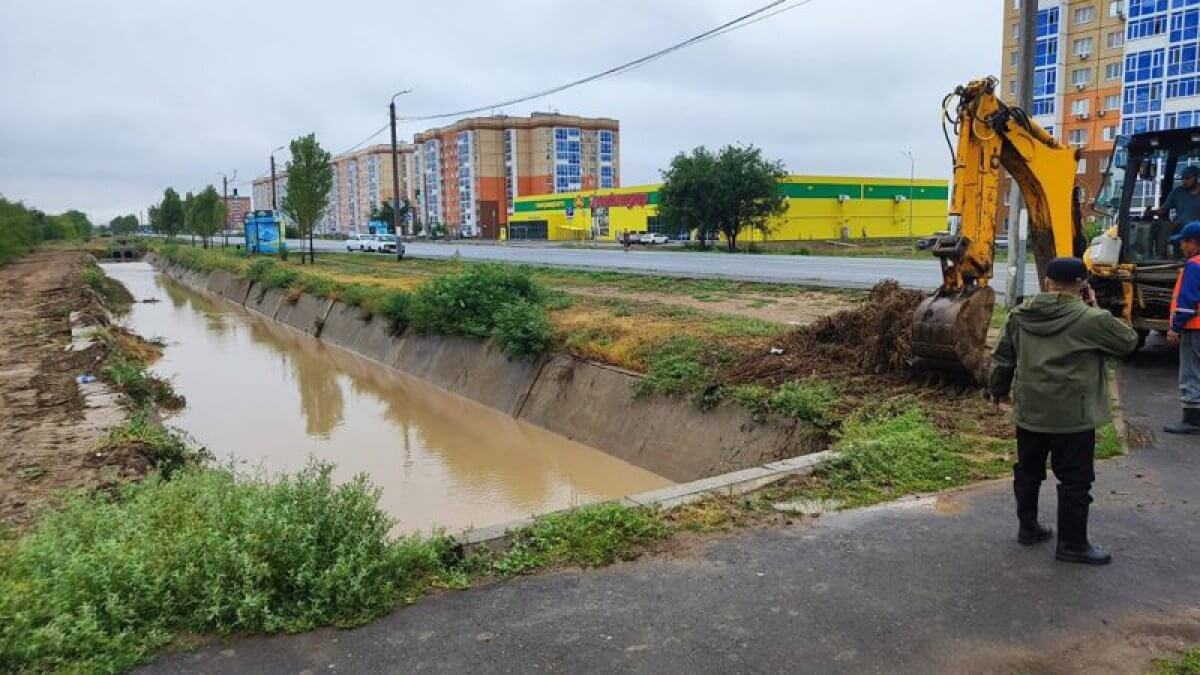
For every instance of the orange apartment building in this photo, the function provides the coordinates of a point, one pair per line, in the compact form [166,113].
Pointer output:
[236,209]
[362,182]
[1077,78]
[471,172]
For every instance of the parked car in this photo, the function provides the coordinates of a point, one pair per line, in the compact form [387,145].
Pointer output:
[655,238]
[387,243]
[355,241]
[924,243]
[637,237]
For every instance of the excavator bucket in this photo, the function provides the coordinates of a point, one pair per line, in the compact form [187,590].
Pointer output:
[950,331]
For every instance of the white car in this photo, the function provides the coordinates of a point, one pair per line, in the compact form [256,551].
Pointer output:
[355,242]
[385,243]
[655,238]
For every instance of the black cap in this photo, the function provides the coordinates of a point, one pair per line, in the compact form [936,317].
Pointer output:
[1193,171]
[1066,270]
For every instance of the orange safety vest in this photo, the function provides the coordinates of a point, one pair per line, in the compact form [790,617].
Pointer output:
[1194,324]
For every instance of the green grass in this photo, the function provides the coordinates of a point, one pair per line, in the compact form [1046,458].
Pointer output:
[811,400]
[891,453]
[1108,442]
[142,388]
[675,367]
[168,452]
[1187,663]
[590,536]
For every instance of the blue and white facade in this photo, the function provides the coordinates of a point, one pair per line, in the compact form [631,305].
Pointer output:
[1161,88]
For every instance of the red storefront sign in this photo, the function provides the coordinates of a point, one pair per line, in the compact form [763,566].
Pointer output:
[627,201]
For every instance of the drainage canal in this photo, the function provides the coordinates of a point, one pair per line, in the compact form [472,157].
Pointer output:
[271,398]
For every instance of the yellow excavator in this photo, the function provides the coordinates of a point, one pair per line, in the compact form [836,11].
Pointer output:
[1132,267]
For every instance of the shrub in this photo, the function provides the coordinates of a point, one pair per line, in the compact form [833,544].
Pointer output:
[471,303]
[258,270]
[100,584]
[523,328]
[588,536]
[395,306]
[93,276]
[754,398]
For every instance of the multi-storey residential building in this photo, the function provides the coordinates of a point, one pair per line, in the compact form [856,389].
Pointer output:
[471,172]
[236,209]
[362,182]
[1079,72]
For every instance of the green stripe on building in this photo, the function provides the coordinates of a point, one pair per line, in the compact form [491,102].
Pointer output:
[930,192]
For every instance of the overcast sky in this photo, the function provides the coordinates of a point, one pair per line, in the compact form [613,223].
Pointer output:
[106,102]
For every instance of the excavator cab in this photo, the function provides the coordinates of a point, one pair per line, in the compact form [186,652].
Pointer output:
[1137,281]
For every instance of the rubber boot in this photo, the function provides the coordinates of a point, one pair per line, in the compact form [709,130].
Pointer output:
[1190,426]
[1073,545]
[1031,532]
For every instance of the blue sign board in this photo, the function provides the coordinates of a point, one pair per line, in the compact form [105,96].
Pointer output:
[378,227]
[264,232]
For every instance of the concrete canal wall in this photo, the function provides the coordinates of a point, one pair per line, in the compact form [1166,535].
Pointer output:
[589,402]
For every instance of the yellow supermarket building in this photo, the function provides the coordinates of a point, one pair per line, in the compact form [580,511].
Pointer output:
[819,207]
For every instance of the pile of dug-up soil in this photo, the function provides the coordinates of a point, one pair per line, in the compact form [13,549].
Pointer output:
[874,338]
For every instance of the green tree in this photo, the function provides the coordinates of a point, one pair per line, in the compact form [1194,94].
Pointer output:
[189,216]
[123,225]
[155,217]
[384,213]
[728,193]
[309,180]
[78,223]
[171,215]
[207,212]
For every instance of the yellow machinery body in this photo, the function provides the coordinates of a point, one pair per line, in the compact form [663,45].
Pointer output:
[950,326]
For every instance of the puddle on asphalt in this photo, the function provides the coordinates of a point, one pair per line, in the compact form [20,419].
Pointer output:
[272,397]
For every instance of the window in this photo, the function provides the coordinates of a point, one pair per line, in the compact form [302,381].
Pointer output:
[1188,86]
[1081,106]
[1012,87]
[1081,77]
[1112,71]
[1082,46]
[1014,58]
[1144,28]
[1185,25]
[1085,15]
[1016,31]
[1110,133]
[1183,59]
[1045,53]
[1142,98]
[1143,66]
[1116,39]
[1081,167]
[1077,137]
[1112,102]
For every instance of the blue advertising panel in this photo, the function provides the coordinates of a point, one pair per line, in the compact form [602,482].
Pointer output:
[378,227]
[263,232]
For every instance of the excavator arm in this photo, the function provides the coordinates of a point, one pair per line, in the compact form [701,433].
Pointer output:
[950,326]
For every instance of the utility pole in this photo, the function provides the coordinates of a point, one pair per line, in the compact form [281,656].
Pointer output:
[395,169]
[275,207]
[1016,232]
[912,184]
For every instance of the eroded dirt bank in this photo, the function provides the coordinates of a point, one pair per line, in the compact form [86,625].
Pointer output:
[50,426]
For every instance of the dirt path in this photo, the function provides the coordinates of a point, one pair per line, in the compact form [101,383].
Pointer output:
[49,425]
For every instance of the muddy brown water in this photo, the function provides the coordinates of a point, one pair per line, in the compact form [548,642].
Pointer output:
[271,398]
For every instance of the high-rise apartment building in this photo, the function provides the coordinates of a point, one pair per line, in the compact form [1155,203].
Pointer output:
[1079,76]
[362,182]
[471,172]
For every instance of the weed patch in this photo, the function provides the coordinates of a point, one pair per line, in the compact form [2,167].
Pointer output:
[164,449]
[675,367]
[1187,663]
[101,584]
[482,301]
[589,536]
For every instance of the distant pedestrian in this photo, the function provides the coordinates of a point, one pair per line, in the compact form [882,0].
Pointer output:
[1185,329]
[625,241]
[1051,360]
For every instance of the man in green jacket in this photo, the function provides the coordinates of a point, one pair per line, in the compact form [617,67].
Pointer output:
[1051,360]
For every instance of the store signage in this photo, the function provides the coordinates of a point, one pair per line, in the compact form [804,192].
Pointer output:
[617,201]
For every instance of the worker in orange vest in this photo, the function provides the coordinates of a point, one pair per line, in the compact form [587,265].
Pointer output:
[1185,329]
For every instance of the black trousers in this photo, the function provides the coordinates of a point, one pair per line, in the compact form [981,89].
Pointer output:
[1073,459]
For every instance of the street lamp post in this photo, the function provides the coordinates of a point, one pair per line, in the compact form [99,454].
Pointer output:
[395,169]
[912,180]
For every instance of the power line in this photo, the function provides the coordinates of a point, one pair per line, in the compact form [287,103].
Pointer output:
[750,18]
[616,70]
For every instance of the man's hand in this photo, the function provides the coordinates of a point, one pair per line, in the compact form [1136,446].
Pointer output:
[1002,403]
[1089,295]
[1173,338]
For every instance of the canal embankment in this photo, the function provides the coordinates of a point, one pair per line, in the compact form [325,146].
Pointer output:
[593,403]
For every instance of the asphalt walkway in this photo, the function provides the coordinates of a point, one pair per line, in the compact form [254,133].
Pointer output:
[935,585]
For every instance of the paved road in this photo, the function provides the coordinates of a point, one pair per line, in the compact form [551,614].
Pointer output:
[808,270]
[934,587]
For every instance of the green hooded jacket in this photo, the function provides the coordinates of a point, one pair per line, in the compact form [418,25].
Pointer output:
[1051,359]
